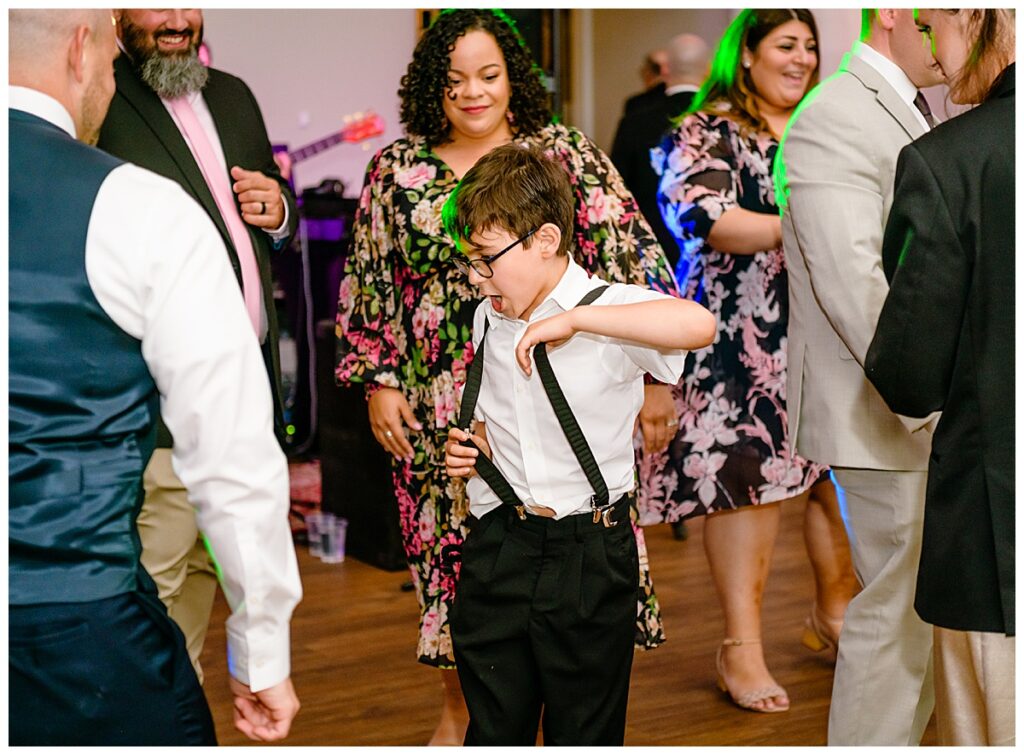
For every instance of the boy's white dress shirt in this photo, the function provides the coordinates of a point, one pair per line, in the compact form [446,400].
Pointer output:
[602,379]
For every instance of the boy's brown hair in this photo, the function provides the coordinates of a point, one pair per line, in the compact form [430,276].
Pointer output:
[515,188]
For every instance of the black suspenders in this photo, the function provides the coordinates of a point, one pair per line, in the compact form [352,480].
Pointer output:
[599,503]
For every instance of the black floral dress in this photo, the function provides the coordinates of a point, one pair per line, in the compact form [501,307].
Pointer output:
[732,446]
[405,318]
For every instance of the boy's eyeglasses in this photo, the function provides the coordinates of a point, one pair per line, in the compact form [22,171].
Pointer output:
[482,265]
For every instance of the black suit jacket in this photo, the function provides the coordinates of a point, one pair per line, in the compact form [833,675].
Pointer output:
[139,129]
[945,341]
[641,128]
[644,98]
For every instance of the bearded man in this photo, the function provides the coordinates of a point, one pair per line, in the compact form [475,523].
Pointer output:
[201,128]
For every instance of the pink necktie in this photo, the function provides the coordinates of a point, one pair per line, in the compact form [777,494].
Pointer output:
[220,186]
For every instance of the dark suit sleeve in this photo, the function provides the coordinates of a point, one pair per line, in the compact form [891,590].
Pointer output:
[910,360]
[269,168]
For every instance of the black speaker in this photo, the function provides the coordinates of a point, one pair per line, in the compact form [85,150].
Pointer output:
[356,471]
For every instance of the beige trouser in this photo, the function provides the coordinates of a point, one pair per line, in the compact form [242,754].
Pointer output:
[174,554]
[883,693]
[974,688]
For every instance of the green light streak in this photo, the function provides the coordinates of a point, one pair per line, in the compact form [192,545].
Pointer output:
[907,241]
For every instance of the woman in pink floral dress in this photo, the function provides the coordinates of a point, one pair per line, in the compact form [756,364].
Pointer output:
[731,458]
[405,312]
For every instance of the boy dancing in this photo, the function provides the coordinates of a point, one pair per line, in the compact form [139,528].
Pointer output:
[546,604]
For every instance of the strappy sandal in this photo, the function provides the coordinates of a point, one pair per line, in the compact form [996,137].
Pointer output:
[748,700]
[821,632]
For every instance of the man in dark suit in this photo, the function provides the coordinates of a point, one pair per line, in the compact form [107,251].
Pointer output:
[122,300]
[652,73]
[203,129]
[643,126]
[945,341]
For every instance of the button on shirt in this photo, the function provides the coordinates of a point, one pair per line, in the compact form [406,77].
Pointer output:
[602,380]
[157,266]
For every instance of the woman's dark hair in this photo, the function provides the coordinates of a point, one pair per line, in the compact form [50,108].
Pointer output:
[729,89]
[424,83]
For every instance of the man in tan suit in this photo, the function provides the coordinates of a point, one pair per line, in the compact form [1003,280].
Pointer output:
[835,179]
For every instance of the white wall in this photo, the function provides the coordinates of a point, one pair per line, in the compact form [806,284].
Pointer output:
[309,68]
[622,37]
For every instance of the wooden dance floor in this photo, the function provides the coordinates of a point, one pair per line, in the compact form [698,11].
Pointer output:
[354,667]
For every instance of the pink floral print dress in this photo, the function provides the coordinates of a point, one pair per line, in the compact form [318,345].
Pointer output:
[732,446]
[405,316]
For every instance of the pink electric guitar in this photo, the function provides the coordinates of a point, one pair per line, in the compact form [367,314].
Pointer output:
[363,126]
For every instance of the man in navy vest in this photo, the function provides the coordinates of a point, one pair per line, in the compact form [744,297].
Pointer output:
[201,128]
[122,302]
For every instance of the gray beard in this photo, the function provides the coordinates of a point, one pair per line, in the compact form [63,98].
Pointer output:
[174,76]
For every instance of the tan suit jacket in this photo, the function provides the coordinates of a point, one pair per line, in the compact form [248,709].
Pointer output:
[838,160]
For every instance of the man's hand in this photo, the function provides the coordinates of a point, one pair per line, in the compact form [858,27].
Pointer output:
[260,198]
[460,460]
[554,331]
[265,716]
[389,414]
[658,419]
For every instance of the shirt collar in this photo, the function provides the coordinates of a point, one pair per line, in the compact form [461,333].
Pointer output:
[41,105]
[891,72]
[681,88]
[571,287]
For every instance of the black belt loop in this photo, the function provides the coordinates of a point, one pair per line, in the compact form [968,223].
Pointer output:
[490,474]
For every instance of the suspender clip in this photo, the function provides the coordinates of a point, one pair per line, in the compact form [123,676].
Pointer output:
[602,514]
[521,510]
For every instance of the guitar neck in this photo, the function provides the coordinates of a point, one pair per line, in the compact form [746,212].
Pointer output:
[304,153]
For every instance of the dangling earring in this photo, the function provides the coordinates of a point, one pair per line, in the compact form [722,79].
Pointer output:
[510,118]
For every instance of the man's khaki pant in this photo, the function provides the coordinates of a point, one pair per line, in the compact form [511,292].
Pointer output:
[174,554]
[974,688]
[883,692]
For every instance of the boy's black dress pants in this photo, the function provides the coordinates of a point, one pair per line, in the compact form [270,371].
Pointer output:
[544,617]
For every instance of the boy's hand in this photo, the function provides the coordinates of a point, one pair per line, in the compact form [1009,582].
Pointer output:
[460,460]
[554,331]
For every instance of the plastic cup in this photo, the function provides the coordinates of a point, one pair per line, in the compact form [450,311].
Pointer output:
[334,546]
[314,532]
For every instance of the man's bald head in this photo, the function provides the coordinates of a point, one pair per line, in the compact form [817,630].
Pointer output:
[34,36]
[68,55]
[688,57]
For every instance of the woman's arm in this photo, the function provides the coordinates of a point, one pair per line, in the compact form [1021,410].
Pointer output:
[740,231]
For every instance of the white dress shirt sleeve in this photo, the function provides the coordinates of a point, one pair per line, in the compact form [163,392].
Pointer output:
[664,365]
[158,268]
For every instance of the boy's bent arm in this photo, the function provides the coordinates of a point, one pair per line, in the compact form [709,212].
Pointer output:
[661,324]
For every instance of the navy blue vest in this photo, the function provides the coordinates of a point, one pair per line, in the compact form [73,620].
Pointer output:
[82,402]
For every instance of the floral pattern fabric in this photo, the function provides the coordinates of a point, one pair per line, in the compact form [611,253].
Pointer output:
[405,318]
[732,447]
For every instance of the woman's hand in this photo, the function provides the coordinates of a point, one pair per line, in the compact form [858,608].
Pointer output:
[658,420]
[389,414]
[553,331]
[460,460]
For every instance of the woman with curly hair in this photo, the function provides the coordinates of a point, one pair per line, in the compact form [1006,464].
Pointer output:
[731,459]
[405,312]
